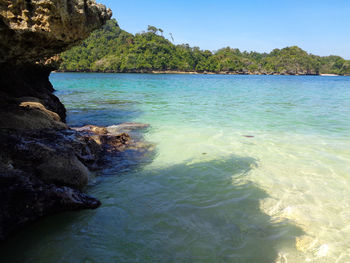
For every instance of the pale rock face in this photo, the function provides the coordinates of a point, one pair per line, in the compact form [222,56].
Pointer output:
[34,31]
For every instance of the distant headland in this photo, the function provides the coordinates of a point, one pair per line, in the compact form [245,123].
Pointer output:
[114,50]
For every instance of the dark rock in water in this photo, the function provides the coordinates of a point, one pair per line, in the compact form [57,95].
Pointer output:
[47,167]
[24,198]
[126,149]
[248,136]
[54,157]
[42,170]
[63,169]
[42,163]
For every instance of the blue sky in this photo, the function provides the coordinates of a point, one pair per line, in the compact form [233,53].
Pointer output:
[320,27]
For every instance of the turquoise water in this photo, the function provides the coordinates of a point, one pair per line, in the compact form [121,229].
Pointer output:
[209,193]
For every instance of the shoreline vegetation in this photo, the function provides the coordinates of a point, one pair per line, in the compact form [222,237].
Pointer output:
[113,50]
[196,73]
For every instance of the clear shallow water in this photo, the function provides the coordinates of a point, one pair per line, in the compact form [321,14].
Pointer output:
[209,194]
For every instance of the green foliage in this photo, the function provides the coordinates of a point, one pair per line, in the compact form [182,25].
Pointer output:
[112,49]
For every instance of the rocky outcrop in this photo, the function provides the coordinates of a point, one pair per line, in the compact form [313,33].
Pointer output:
[42,171]
[32,33]
[44,165]
[116,138]
[49,167]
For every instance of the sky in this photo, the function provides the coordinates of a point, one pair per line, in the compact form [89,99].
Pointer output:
[320,27]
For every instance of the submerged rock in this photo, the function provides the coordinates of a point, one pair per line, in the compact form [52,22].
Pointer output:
[109,141]
[126,127]
[116,138]
[92,129]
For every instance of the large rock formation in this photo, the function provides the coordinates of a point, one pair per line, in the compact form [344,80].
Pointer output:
[32,33]
[43,164]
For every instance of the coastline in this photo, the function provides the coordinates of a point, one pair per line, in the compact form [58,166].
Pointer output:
[196,73]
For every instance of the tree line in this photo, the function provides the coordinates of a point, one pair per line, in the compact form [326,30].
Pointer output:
[111,49]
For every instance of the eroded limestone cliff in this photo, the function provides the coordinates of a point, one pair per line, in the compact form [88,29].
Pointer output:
[35,31]
[43,163]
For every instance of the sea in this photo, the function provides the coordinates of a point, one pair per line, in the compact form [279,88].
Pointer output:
[244,169]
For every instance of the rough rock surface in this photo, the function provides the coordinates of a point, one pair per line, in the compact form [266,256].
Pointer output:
[35,31]
[43,164]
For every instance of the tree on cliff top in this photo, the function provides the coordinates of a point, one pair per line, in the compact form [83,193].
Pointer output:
[113,49]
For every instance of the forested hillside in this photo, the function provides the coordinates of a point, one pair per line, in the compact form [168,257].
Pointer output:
[112,49]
